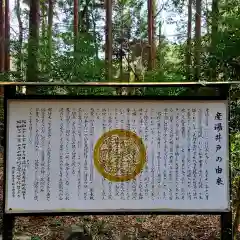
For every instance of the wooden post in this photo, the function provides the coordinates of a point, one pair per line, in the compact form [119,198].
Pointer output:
[8,219]
[226,226]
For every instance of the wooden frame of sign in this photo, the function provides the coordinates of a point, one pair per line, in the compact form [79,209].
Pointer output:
[135,155]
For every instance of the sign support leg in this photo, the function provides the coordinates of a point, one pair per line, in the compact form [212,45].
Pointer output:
[8,219]
[8,226]
[226,226]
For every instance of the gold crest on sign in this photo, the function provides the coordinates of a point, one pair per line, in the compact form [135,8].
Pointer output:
[119,155]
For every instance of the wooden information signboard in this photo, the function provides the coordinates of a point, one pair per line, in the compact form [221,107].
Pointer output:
[100,155]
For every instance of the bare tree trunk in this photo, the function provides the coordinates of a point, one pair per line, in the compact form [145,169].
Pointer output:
[43,23]
[159,44]
[43,18]
[197,39]
[84,21]
[2,36]
[50,24]
[7,37]
[153,44]
[189,41]
[20,40]
[87,19]
[95,33]
[150,34]
[108,49]
[207,17]
[215,15]
[75,24]
[121,43]
[33,44]
[120,90]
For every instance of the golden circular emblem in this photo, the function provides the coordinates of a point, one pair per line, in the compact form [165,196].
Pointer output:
[119,155]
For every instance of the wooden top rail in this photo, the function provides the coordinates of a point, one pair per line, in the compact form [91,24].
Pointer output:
[122,84]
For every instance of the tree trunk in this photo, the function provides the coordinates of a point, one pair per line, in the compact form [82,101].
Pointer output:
[2,36]
[215,15]
[189,42]
[108,49]
[95,33]
[197,39]
[207,17]
[33,44]
[7,38]
[84,21]
[75,10]
[43,22]
[20,40]
[153,44]
[50,24]
[49,32]
[87,20]
[121,43]
[43,19]
[150,34]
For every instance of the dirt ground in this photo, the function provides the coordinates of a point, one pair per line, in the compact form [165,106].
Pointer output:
[124,227]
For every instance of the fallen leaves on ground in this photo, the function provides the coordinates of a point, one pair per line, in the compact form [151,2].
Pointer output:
[120,227]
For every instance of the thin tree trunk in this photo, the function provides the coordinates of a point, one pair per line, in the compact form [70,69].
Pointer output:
[43,19]
[20,40]
[76,20]
[7,37]
[95,34]
[49,33]
[43,22]
[150,34]
[207,18]
[189,41]
[108,49]
[87,20]
[2,36]
[197,39]
[121,43]
[215,15]
[84,21]
[50,25]
[153,44]
[33,44]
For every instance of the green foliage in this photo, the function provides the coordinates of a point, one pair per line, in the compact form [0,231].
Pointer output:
[235,153]
[63,63]
[35,238]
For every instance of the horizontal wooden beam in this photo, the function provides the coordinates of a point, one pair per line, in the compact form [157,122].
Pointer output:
[122,84]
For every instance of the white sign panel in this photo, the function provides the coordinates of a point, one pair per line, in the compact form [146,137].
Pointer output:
[126,155]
